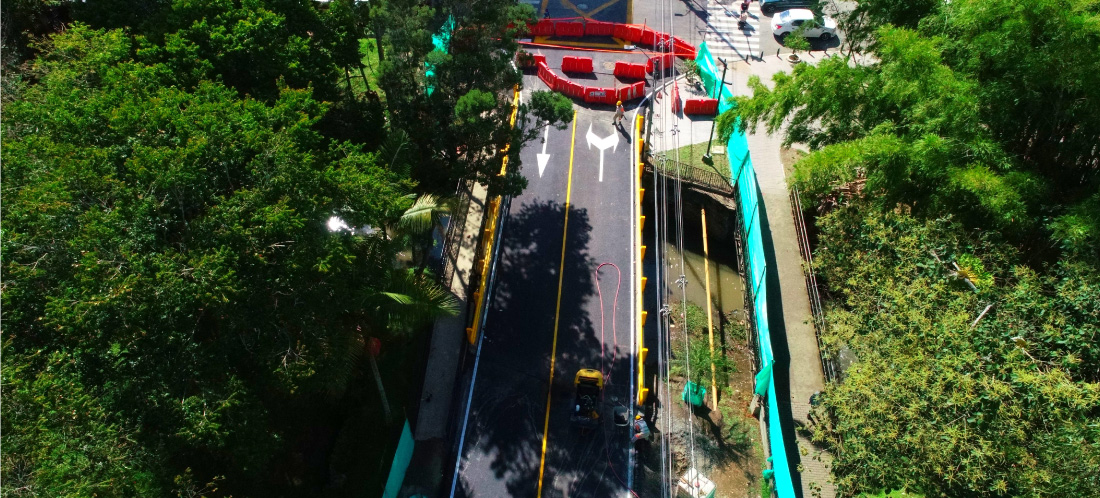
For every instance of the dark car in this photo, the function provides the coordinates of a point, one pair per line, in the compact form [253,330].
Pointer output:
[769,7]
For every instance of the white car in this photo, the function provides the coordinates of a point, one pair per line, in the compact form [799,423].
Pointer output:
[789,20]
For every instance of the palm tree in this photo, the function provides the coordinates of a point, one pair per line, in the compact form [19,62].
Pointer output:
[421,222]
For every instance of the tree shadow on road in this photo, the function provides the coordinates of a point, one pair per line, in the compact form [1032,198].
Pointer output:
[508,411]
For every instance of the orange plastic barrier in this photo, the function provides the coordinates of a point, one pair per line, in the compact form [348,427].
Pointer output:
[628,32]
[675,97]
[575,90]
[701,106]
[599,28]
[683,48]
[631,92]
[598,95]
[547,76]
[571,64]
[569,29]
[541,28]
[628,70]
[664,61]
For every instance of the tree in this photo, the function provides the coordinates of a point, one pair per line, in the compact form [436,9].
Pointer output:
[956,185]
[165,255]
[470,105]
[940,402]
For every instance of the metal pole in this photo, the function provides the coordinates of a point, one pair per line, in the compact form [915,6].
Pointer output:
[718,89]
[381,390]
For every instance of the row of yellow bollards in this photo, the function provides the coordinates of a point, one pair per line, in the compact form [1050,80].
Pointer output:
[488,237]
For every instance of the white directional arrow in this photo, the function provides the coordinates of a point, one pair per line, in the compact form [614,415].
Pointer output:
[543,157]
[611,140]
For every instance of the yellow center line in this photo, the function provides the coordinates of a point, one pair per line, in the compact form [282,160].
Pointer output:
[557,310]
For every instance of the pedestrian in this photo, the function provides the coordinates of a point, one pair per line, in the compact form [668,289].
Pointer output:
[619,112]
[745,7]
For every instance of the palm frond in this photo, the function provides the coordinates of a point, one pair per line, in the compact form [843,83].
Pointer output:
[424,214]
[416,300]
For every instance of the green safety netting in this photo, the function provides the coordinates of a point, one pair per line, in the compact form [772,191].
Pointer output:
[440,40]
[694,394]
[744,177]
[710,74]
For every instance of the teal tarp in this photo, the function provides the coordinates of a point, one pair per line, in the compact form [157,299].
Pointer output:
[694,394]
[744,177]
[710,74]
[440,41]
[401,459]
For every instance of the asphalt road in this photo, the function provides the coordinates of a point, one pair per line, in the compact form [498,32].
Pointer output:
[503,439]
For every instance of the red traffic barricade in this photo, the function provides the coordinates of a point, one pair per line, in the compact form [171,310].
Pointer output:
[575,90]
[597,95]
[660,62]
[547,76]
[542,28]
[599,28]
[575,29]
[683,48]
[708,107]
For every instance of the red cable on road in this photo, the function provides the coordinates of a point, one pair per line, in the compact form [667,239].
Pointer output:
[614,307]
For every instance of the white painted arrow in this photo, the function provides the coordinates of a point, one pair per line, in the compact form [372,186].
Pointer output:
[544,157]
[611,140]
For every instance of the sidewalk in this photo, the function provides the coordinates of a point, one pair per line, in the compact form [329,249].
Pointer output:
[804,367]
[436,397]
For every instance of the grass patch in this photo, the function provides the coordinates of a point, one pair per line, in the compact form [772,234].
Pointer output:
[369,51]
[693,155]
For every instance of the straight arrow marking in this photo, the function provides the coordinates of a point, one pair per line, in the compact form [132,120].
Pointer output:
[543,157]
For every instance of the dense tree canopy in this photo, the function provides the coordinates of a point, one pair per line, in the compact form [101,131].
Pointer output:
[957,181]
[169,279]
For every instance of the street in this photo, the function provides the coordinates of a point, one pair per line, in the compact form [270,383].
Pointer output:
[532,327]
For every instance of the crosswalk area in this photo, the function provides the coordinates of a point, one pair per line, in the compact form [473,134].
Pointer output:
[728,40]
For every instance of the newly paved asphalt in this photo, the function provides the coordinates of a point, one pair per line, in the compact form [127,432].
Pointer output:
[503,438]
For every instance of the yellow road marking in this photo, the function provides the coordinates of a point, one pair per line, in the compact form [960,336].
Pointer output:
[570,43]
[557,310]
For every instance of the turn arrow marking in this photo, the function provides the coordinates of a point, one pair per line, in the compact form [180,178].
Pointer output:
[543,157]
[611,140]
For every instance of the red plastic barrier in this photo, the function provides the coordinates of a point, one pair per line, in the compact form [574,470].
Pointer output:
[683,48]
[628,32]
[547,76]
[542,28]
[619,31]
[583,65]
[631,92]
[648,37]
[628,70]
[575,90]
[598,95]
[567,63]
[599,28]
[701,106]
[676,103]
[664,61]
[540,59]
[569,29]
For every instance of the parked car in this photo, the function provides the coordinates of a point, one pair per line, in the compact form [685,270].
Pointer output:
[824,27]
[769,7]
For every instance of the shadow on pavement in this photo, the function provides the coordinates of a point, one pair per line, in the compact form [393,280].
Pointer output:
[780,349]
[504,439]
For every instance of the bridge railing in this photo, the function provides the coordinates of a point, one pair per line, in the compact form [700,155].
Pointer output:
[693,175]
